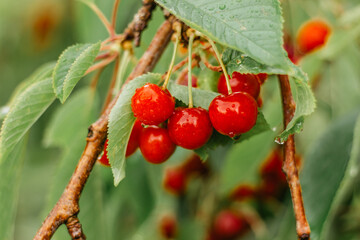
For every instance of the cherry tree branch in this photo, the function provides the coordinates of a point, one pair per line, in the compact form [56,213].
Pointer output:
[67,208]
[289,165]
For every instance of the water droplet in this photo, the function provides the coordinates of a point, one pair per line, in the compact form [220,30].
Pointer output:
[279,140]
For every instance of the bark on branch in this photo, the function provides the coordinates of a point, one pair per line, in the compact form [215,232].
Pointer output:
[67,208]
[289,165]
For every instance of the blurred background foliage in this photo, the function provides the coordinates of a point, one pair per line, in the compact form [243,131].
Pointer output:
[36,32]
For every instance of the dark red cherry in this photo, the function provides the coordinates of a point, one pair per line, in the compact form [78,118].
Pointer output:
[248,83]
[104,160]
[133,142]
[151,105]
[190,128]
[168,226]
[243,192]
[155,144]
[234,114]
[175,179]
[228,224]
[184,81]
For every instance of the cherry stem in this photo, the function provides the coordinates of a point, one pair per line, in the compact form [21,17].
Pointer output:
[221,64]
[101,16]
[114,13]
[123,64]
[101,64]
[191,40]
[178,32]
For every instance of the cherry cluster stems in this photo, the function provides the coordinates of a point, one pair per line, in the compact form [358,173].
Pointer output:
[289,164]
[66,209]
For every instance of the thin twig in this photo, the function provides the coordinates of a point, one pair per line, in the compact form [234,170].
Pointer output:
[95,79]
[180,64]
[101,64]
[289,165]
[210,66]
[114,13]
[101,16]
[68,205]
[184,72]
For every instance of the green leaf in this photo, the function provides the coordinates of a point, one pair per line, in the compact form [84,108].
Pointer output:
[252,27]
[201,98]
[121,121]
[25,111]
[10,174]
[72,118]
[330,152]
[71,66]
[305,105]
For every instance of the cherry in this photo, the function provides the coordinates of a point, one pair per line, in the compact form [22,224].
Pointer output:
[262,77]
[155,144]
[168,226]
[312,35]
[233,114]
[175,180]
[133,142]
[104,160]
[228,224]
[243,192]
[184,81]
[195,166]
[151,105]
[190,128]
[248,83]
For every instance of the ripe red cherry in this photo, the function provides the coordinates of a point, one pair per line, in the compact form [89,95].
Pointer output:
[248,83]
[104,160]
[155,144]
[168,226]
[228,224]
[151,105]
[243,192]
[133,142]
[190,128]
[312,35]
[184,81]
[262,77]
[175,179]
[233,114]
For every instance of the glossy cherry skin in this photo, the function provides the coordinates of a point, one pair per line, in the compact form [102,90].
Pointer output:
[234,114]
[312,35]
[168,226]
[155,144]
[190,128]
[104,160]
[175,180]
[228,224]
[151,105]
[248,83]
[133,142]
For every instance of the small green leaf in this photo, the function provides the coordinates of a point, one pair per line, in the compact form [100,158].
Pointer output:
[10,175]
[201,98]
[121,120]
[330,152]
[24,112]
[252,27]
[71,66]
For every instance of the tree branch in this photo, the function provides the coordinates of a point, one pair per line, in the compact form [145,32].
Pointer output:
[67,208]
[289,165]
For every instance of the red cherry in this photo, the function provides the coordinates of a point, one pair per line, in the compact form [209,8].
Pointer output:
[272,168]
[155,144]
[190,128]
[175,180]
[243,192]
[151,105]
[228,224]
[233,114]
[104,160]
[168,226]
[312,35]
[133,142]
[195,166]
[184,81]
[248,83]
[262,77]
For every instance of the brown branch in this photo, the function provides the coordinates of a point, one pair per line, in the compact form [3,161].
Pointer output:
[289,165]
[74,228]
[114,13]
[67,208]
[102,63]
